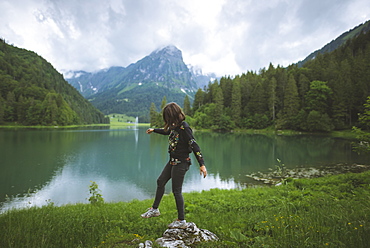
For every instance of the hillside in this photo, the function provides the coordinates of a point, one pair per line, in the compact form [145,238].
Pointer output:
[328,93]
[91,83]
[32,92]
[342,39]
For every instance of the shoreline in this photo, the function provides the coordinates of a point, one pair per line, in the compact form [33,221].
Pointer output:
[348,133]
[278,177]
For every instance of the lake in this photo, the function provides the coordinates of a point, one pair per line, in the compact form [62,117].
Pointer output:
[40,166]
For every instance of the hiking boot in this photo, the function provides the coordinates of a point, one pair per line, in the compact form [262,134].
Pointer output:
[181,224]
[151,212]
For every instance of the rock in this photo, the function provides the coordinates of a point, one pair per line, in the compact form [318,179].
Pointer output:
[183,237]
[147,244]
[273,177]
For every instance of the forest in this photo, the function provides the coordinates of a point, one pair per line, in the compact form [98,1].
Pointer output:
[32,92]
[327,93]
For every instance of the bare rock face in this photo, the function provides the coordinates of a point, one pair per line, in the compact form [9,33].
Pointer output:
[174,238]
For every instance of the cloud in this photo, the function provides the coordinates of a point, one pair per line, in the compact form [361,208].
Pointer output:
[227,37]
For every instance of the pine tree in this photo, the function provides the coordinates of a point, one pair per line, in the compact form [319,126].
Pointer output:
[226,85]
[2,108]
[303,87]
[153,115]
[51,109]
[272,100]
[281,81]
[236,102]
[164,103]
[187,108]
[35,113]
[290,105]
[219,102]
[211,91]
[257,103]
[291,100]
[318,97]
[22,107]
[245,89]
[10,108]
[198,100]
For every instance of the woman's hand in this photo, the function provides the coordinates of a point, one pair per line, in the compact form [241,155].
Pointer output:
[150,130]
[203,170]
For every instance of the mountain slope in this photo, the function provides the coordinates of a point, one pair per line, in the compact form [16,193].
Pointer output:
[89,84]
[131,90]
[342,39]
[32,92]
[163,67]
[200,78]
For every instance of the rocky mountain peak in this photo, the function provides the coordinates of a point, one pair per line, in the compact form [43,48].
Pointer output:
[167,51]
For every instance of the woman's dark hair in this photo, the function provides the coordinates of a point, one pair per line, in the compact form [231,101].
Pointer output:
[173,115]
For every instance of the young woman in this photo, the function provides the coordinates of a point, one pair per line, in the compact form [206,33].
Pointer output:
[181,144]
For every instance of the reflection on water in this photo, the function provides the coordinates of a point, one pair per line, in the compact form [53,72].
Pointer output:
[59,165]
[70,186]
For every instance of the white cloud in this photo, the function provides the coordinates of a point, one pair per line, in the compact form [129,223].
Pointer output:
[223,36]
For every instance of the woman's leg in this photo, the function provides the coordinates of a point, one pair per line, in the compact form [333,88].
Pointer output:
[178,174]
[161,183]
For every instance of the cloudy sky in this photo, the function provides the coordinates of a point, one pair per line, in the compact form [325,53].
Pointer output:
[227,37]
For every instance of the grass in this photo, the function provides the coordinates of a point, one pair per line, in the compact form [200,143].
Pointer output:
[116,121]
[324,212]
[121,120]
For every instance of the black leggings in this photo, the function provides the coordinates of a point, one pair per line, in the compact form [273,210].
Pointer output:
[177,173]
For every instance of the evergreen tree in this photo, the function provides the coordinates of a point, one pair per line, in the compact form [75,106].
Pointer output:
[318,97]
[211,92]
[226,86]
[187,108]
[291,100]
[303,87]
[50,109]
[270,73]
[65,115]
[257,103]
[25,81]
[363,144]
[281,76]
[10,108]
[22,107]
[164,103]
[343,103]
[236,102]
[364,118]
[317,121]
[245,88]
[272,101]
[291,105]
[2,109]
[153,115]
[219,107]
[198,100]
[35,113]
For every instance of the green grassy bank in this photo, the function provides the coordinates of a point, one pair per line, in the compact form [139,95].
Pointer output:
[116,121]
[324,212]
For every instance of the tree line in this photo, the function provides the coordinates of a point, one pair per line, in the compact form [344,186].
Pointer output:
[32,92]
[326,94]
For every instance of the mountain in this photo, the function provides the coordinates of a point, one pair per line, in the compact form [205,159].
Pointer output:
[32,92]
[131,90]
[342,39]
[91,83]
[200,78]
